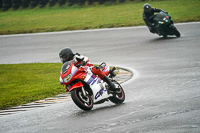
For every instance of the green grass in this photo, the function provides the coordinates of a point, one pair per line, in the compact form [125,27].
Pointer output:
[24,83]
[91,17]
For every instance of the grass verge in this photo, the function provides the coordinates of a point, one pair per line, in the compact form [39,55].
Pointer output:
[91,17]
[24,83]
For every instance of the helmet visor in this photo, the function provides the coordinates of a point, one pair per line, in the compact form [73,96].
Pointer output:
[147,10]
[62,60]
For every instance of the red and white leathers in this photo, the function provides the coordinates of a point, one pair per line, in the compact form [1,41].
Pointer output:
[79,59]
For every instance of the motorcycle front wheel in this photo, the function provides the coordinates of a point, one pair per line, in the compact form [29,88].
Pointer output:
[118,98]
[83,102]
[175,31]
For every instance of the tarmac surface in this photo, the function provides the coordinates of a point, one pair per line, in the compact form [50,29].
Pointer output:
[162,96]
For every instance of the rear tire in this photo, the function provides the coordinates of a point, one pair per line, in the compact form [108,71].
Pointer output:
[85,103]
[118,98]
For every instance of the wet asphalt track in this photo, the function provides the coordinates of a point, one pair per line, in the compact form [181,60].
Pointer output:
[163,96]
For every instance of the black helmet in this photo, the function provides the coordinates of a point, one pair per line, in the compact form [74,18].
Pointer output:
[147,8]
[66,54]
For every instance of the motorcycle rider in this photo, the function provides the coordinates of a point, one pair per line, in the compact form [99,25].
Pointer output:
[148,15]
[66,54]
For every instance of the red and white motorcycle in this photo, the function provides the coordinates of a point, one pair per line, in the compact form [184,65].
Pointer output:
[86,88]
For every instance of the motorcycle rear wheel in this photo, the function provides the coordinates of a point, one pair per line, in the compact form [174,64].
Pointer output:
[83,102]
[118,98]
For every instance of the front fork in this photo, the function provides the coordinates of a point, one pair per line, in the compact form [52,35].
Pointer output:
[83,90]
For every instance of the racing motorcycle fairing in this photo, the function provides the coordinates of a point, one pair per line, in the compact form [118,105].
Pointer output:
[97,86]
[76,85]
[70,73]
[163,21]
[164,25]
[86,88]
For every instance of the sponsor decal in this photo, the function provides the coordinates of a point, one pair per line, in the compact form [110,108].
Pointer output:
[91,79]
[100,92]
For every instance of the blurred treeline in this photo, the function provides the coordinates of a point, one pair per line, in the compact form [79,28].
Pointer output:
[15,4]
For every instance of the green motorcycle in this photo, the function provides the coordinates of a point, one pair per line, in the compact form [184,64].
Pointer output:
[164,25]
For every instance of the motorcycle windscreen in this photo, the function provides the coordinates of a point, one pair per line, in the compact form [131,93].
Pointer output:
[66,66]
[159,16]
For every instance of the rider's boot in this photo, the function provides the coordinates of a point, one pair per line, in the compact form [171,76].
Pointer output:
[112,86]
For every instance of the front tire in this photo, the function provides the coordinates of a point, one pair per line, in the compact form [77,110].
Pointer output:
[118,98]
[85,103]
[175,31]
